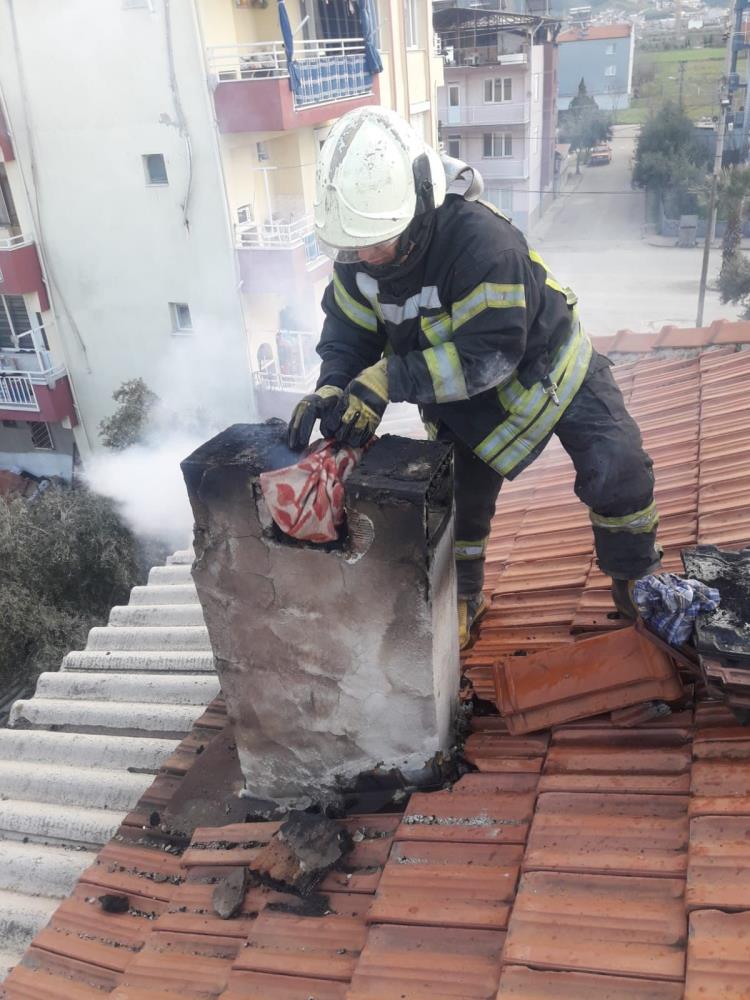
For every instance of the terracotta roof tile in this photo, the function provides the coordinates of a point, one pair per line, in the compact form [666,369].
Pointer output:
[613,769]
[260,986]
[24,983]
[596,675]
[424,963]
[718,963]
[324,947]
[720,788]
[486,818]
[448,885]
[519,983]
[482,783]
[618,834]
[595,923]
[730,742]
[189,975]
[596,31]
[719,863]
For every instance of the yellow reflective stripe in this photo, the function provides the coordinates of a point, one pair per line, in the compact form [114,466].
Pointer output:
[638,523]
[487,295]
[521,432]
[444,366]
[431,429]
[516,397]
[353,310]
[469,550]
[437,329]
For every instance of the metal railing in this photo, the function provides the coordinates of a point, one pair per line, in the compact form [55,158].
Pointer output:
[500,113]
[14,242]
[17,392]
[275,381]
[288,233]
[482,56]
[329,69]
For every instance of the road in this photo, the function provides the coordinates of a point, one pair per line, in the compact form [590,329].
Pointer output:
[592,239]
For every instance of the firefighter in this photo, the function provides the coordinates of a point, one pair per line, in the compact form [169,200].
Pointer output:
[436,299]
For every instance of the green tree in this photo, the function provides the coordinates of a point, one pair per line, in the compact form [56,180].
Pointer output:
[670,160]
[582,102]
[733,193]
[65,558]
[583,125]
[127,425]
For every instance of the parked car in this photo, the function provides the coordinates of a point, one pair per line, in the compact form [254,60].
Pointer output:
[600,155]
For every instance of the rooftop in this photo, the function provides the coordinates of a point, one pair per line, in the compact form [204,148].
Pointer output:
[596,859]
[596,32]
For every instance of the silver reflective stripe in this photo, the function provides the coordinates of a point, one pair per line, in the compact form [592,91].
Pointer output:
[428,298]
[444,366]
[469,550]
[638,523]
[370,289]
[437,329]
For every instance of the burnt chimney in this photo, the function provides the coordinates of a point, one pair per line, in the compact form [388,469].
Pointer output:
[333,659]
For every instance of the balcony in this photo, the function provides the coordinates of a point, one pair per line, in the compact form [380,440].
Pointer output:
[504,169]
[280,250]
[489,55]
[20,270]
[512,113]
[253,91]
[6,143]
[32,387]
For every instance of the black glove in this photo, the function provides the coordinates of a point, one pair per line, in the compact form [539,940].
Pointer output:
[361,407]
[309,409]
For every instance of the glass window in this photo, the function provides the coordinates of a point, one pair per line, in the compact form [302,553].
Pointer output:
[610,71]
[155,168]
[181,319]
[454,147]
[411,24]
[508,89]
[14,319]
[41,436]
[498,90]
[497,144]
[453,97]
[611,49]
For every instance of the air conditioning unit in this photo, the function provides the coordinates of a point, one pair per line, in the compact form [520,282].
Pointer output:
[245,215]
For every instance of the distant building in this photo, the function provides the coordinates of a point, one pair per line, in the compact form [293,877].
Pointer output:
[602,56]
[497,109]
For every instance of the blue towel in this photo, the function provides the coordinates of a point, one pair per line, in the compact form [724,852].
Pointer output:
[670,604]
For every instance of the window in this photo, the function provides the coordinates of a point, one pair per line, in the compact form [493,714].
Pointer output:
[454,96]
[155,168]
[14,319]
[610,71]
[611,49]
[261,151]
[8,215]
[454,147]
[41,436]
[312,250]
[411,24]
[10,424]
[497,144]
[499,90]
[181,320]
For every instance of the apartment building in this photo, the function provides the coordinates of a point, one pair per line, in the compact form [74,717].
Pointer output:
[602,56]
[497,108]
[157,177]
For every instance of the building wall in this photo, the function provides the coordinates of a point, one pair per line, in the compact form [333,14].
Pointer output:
[99,96]
[18,452]
[588,59]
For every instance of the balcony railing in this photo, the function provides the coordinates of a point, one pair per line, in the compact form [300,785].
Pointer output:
[288,233]
[274,381]
[329,69]
[500,113]
[482,56]
[15,242]
[17,392]
[503,168]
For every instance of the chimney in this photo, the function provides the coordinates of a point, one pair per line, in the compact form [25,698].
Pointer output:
[333,659]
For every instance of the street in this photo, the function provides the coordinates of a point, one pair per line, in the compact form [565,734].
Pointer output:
[592,239]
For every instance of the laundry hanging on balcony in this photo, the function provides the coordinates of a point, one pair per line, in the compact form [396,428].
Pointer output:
[369,25]
[288,39]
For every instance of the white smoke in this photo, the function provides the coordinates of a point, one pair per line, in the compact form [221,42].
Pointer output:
[146,483]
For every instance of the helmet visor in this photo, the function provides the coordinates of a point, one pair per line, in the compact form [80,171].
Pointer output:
[376,253]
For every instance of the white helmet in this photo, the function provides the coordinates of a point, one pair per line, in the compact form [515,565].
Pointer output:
[375,175]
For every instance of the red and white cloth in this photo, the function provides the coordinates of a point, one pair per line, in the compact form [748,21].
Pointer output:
[306,500]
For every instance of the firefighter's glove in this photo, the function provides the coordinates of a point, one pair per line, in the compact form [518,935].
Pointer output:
[317,406]
[361,408]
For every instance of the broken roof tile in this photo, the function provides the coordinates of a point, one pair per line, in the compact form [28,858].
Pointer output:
[520,983]
[719,863]
[609,833]
[427,963]
[718,959]
[485,818]
[595,923]
[448,885]
[589,677]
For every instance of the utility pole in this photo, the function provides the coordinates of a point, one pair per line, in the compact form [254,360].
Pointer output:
[725,102]
[681,83]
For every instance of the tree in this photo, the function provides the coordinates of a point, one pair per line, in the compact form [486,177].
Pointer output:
[127,425]
[65,558]
[733,192]
[582,102]
[583,125]
[670,160]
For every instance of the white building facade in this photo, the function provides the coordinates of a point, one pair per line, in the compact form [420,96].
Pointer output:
[497,107]
[160,165]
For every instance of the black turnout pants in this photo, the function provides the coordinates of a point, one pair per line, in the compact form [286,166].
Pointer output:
[614,478]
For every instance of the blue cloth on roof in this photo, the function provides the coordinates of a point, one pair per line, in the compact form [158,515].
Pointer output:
[670,604]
